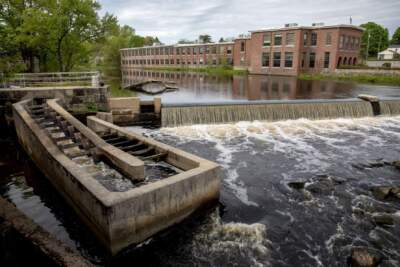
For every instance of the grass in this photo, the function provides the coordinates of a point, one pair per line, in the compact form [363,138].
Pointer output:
[360,78]
[223,71]
[117,91]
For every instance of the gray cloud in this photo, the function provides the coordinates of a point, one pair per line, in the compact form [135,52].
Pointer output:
[172,20]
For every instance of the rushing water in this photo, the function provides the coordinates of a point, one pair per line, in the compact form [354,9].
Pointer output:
[339,161]
[202,87]
[262,221]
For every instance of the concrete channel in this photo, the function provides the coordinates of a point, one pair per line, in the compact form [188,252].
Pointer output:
[75,159]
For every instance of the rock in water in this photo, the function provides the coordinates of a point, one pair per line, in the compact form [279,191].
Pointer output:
[297,184]
[383,219]
[396,164]
[364,257]
[381,192]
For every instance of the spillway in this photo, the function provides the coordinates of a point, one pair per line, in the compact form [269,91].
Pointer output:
[228,112]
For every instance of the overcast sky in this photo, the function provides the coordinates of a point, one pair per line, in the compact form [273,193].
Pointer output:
[172,20]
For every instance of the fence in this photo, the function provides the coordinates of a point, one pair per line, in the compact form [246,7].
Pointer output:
[46,79]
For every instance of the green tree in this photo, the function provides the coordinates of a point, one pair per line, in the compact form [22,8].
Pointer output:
[375,38]
[205,38]
[396,37]
[185,41]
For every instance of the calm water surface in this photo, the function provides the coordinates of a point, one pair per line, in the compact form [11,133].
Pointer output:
[200,87]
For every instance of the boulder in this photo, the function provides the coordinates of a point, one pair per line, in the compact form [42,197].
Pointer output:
[321,187]
[383,219]
[381,192]
[396,164]
[365,257]
[297,184]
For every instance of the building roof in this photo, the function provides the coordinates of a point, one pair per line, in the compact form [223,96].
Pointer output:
[309,28]
[179,45]
[394,46]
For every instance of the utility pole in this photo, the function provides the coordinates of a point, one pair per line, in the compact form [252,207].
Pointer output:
[367,52]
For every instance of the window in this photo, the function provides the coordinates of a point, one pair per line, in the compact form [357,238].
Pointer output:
[214,62]
[328,39]
[326,60]
[267,39]
[201,50]
[213,50]
[194,50]
[305,39]
[207,50]
[183,51]
[229,50]
[313,38]
[288,59]
[265,59]
[278,39]
[242,60]
[242,47]
[178,61]
[357,42]
[277,59]
[341,41]
[312,60]
[290,38]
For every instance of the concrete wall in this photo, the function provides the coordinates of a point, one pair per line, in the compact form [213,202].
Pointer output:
[349,72]
[74,98]
[379,63]
[82,192]
[156,206]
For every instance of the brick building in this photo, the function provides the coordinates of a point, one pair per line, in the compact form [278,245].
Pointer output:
[286,51]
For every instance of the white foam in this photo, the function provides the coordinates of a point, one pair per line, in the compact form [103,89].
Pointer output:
[216,240]
[296,139]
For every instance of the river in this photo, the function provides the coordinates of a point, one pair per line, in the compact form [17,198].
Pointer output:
[202,87]
[294,193]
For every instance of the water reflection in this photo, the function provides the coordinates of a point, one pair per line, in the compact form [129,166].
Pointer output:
[200,87]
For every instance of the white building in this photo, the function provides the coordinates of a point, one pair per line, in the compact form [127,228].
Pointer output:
[392,52]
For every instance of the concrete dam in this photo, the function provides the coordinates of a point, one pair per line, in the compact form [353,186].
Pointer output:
[173,115]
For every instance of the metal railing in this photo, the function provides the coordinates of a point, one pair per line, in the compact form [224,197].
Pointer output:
[45,79]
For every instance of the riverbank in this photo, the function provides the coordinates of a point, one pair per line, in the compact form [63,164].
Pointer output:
[356,77]
[223,71]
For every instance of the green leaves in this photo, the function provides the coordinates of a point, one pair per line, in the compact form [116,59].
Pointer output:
[377,41]
[61,35]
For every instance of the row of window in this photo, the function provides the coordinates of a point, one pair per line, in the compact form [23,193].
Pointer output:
[172,61]
[277,38]
[349,42]
[276,59]
[288,59]
[308,39]
[178,51]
